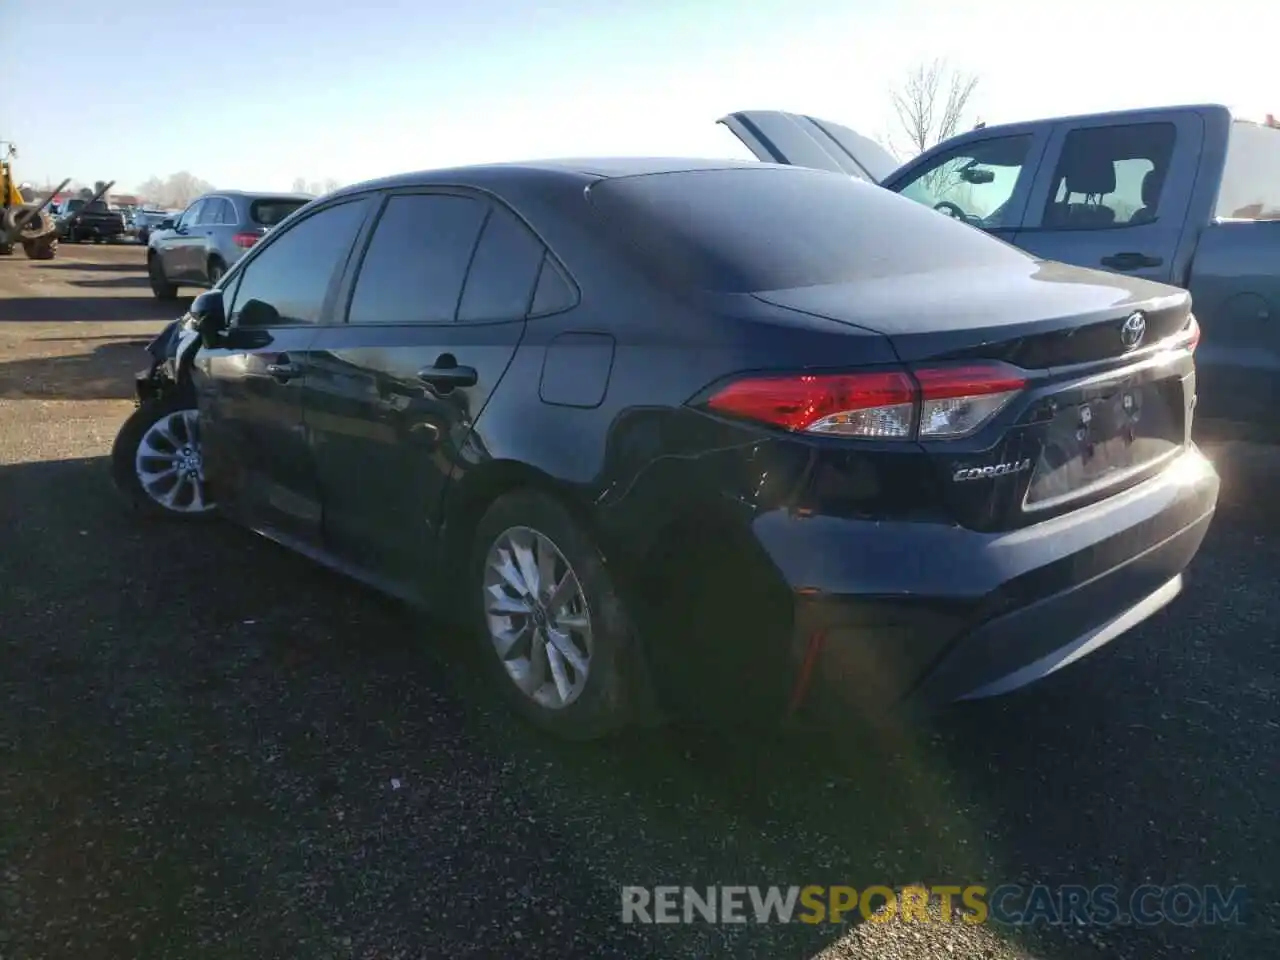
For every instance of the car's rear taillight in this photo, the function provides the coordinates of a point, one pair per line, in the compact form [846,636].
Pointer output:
[956,401]
[853,404]
[246,240]
[1189,336]
[930,403]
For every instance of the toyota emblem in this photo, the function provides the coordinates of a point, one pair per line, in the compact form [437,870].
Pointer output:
[1134,329]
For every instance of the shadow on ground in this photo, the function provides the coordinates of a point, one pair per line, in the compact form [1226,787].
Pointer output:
[89,309]
[94,267]
[131,282]
[104,373]
[217,748]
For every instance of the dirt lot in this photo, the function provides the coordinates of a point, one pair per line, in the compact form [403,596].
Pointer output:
[211,748]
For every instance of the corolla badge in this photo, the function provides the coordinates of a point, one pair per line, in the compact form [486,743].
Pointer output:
[1133,330]
[994,470]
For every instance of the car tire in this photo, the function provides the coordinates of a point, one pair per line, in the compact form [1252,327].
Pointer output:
[152,462]
[215,270]
[45,248]
[587,694]
[160,285]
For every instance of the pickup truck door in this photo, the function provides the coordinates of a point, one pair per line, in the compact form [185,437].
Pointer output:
[1115,195]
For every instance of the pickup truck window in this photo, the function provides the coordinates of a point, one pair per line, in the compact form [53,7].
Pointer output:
[1250,187]
[974,182]
[1110,176]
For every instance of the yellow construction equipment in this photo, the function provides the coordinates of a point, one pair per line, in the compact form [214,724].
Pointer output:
[25,223]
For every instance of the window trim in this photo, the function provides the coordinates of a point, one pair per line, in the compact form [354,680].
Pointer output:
[1052,175]
[1185,182]
[347,292]
[329,303]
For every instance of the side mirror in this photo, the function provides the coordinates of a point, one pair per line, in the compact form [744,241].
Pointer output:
[211,317]
[165,224]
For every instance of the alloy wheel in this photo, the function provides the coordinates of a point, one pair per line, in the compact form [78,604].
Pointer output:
[538,619]
[169,464]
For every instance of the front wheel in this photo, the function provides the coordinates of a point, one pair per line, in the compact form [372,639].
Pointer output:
[557,638]
[157,461]
[160,285]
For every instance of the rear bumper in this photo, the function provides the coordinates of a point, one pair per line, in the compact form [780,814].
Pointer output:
[921,615]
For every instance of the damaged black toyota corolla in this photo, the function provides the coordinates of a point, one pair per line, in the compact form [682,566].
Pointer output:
[684,433]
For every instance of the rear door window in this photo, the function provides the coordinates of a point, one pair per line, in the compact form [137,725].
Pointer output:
[417,259]
[1110,176]
[504,270]
[1250,187]
[268,212]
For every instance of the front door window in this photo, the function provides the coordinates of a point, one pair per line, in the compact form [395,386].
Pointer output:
[973,183]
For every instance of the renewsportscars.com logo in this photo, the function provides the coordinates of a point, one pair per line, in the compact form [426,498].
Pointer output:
[1007,904]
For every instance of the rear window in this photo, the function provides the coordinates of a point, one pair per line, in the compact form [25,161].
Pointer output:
[1250,187]
[269,212]
[749,229]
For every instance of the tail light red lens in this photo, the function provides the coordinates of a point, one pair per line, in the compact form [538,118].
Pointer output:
[857,404]
[246,240]
[929,403]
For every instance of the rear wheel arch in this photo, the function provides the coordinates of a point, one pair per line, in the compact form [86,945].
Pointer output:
[468,499]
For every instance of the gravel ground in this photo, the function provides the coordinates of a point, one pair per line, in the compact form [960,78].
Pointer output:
[211,748]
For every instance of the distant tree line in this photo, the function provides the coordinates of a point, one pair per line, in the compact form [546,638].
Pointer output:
[175,191]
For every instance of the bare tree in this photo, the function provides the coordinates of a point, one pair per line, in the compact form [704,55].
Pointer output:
[178,190]
[930,105]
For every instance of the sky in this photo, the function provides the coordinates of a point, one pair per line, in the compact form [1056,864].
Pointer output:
[252,95]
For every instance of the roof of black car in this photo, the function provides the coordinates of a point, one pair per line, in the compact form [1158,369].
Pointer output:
[590,168]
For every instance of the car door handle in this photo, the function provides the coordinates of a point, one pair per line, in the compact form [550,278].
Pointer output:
[1131,261]
[446,374]
[283,370]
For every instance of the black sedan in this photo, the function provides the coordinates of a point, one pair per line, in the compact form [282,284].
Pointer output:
[693,434]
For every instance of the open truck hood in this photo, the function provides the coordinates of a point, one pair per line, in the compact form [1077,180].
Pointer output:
[776,136]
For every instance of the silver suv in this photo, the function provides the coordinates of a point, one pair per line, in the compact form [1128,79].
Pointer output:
[197,248]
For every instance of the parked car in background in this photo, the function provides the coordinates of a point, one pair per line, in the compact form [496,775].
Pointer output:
[209,236]
[144,221]
[77,220]
[1182,195]
[708,432]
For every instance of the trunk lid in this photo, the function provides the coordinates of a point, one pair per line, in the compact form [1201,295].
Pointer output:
[1038,315]
[775,136]
[1102,408]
